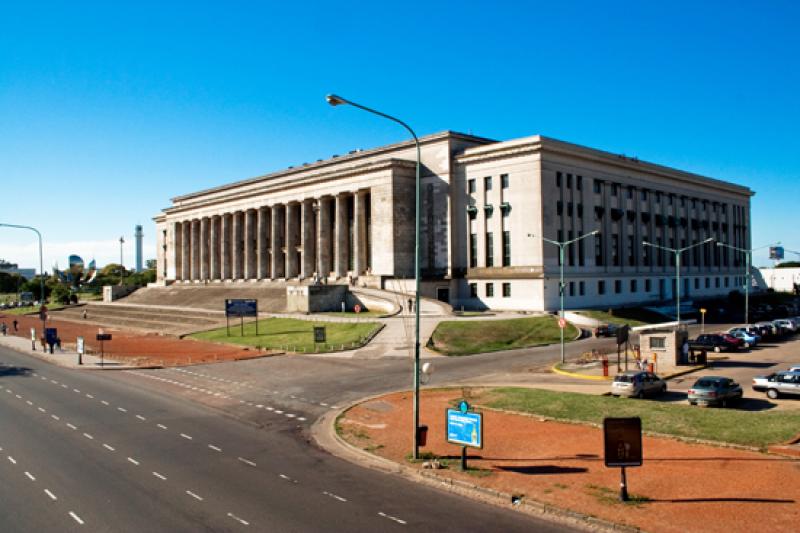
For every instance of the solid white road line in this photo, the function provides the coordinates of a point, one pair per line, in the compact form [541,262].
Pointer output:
[195,496]
[216,449]
[160,476]
[247,462]
[76,517]
[240,520]
[134,461]
[30,476]
[52,496]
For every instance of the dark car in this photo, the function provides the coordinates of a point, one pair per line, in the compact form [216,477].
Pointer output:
[606,330]
[714,390]
[711,342]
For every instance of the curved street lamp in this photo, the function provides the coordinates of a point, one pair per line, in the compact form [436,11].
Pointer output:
[41,263]
[748,254]
[335,100]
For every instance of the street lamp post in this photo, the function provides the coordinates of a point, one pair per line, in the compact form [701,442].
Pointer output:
[748,255]
[561,247]
[121,265]
[335,100]
[678,252]
[41,264]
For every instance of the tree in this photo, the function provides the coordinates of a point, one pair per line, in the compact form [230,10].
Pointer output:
[789,264]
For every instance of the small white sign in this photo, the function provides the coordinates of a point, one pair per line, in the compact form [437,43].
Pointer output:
[33,334]
[79,345]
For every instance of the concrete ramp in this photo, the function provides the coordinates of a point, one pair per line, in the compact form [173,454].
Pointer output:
[271,296]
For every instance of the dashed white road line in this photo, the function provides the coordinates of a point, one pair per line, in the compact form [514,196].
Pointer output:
[89,396]
[107,447]
[55,417]
[13,461]
[240,520]
[215,448]
[162,426]
[88,436]
[70,426]
[185,436]
[394,518]
[140,417]
[334,496]
[122,409]
[76,390]
[41,409]
[29,402]
[134,461]
[30,476]
[160,476]
[246,461]
[104,402]
[195,496]
[76,518]
[52,496]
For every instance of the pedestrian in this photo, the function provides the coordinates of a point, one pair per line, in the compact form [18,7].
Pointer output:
[3,328]
[58,344]
[85,314]
[15,325]
[409,305]
[685,350]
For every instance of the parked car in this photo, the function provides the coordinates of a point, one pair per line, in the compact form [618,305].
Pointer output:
[606,330]
[794,368]
[778,384]
[787,324]
[770,329]
[710,342]
[735,342]
[750,339]
[714,390]
[638,384]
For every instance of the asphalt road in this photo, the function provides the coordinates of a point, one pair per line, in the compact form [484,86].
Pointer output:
[122,451]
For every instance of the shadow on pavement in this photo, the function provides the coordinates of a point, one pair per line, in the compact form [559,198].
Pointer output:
[15,371]
[744,364]
[705,500]
[543,469]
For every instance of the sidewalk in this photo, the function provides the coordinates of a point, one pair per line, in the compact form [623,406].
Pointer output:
[557,468]
[66,358]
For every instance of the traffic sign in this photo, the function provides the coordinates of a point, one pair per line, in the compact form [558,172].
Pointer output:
[357,308]
[319,333]
[562,323]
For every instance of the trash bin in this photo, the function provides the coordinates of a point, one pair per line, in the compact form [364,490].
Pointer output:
[605,367]
[422,435]
[702,359]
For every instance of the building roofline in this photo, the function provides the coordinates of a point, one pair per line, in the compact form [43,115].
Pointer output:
[351,156]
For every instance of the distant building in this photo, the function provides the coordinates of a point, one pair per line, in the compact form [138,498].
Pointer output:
[781,279]
[485,207]
[13,268]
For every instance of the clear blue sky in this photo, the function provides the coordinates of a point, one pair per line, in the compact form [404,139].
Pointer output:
[106,112]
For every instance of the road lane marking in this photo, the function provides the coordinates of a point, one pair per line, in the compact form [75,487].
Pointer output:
[246,461]
[76,390]
[279,411]
[70,426]
[41,409]
[216,449]
[162,426]
[52,496]
[88,436]
[29,402]
[55,417]
[122,409]
[89,396]
[13,461]
[54,382]
[185,436]
[160,476]
[76,518]
[104,402]
[334,496]
[195,496]
[240,520]
[64,386]
[301,418]
[107,447]
[134,461]
[390,517]
[30,476]
[140,417]
[18,396]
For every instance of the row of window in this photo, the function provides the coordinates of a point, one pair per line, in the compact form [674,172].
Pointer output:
[487,183]
[489,290]
[489,251]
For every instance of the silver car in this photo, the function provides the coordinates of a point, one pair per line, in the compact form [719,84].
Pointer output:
[637,384]
[778,384]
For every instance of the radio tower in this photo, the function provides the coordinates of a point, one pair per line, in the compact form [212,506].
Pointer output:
[138,234]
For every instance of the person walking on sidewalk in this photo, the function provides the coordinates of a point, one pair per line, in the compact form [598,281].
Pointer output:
[16,324]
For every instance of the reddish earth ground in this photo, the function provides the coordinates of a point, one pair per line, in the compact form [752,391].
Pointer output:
[683,487]
[135,348]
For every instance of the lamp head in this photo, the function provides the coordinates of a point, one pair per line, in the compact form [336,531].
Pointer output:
[595,232]
[709,239]
[334,100]
[645,243]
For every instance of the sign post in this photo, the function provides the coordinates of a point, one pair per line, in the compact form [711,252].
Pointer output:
[622,439]
[102,337]
[240,308]
[319,335]
[703,319]
[33,339]
[464,427]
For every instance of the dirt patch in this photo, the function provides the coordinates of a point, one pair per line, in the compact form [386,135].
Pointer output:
[681,487]
[136,348]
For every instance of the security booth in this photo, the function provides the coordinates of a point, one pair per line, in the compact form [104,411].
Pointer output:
[661,346]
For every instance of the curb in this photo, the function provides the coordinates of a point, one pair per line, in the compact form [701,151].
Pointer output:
[557,370]
[325,436]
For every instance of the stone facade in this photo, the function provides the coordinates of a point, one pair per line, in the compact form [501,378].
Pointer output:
[485,207]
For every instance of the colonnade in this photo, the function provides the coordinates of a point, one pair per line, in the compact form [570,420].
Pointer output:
[325,237]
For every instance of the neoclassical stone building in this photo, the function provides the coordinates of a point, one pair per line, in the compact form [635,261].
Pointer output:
[485,207]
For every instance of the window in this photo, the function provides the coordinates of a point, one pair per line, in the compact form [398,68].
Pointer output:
[634,287]
[696,283]
[559,208]
[471,185]
[658,197]
[708,283]
[598,186]
[727,282]
[579,183]
[581,254]
[598,250]
[615,250]
[630,192]
[559,238]
[716,282]
[504,181]
[473,290]
[631,251]
[490,290]
[579,210]
[581,288]
[506,290]
[572,288]
[570,250]
[617,286]
[558,179]
[601,287]
[473,250]
[489,249]
[487,183]
[658,342]
[614,189]
[569,181]
[683,201]
[644,195]
[670,199]
[506,248]
[648,286]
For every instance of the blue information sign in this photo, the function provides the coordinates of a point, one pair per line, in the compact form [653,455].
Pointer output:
[241,307]
[465,429]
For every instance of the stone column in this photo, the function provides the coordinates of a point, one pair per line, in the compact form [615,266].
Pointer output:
[262,253]
[360,232]
[324,237]
[194,273]
[249,244]
[342,235]
[174,242]
[186,256]
[238,243]
[214,245]
[205,251]
[277,232]
[225,247]
[292,232]
[307,223]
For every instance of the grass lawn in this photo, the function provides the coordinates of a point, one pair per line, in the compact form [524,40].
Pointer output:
[29,309]
[750,428]
[292,334]
[632,316]
[464,337]
[351,314]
